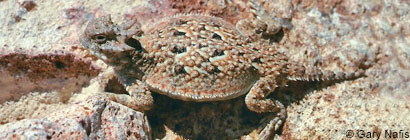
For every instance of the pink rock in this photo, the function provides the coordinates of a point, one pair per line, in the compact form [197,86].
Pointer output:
[95,118]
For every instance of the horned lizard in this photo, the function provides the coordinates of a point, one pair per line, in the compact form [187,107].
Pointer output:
[198,57]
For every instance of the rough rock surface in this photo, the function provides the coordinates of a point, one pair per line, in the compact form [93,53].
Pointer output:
[94,118]
[44,70]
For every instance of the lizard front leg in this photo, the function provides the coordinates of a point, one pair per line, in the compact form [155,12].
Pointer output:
[141,94]
[139,97]
[256,101]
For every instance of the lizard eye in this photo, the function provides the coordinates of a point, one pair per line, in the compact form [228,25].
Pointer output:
[100,38]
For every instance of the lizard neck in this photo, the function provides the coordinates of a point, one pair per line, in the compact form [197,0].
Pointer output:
[125,67]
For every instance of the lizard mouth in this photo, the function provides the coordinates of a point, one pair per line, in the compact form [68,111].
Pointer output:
[96,49]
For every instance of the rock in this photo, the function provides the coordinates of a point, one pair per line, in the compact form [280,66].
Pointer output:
[96,118]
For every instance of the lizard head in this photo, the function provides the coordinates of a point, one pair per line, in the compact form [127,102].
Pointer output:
[103,39]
